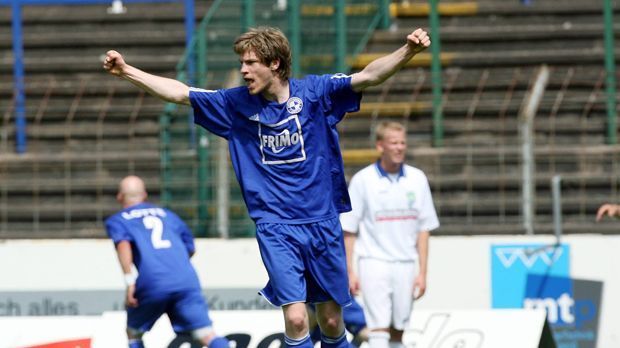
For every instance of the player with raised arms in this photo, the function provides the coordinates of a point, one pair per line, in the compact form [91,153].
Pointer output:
[284,148]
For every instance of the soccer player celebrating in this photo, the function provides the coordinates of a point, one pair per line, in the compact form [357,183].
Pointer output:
[283,143]
[157,243]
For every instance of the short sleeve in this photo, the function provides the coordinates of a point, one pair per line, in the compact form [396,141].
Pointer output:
[428,215]
[184,232]
[117,232]
[338,96]
[350,221]
[211,110]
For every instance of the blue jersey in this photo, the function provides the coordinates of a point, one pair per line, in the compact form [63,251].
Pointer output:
[286,156]
[161,244]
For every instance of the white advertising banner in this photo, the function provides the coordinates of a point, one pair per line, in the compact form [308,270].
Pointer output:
[514,328]
[82,278]
[505,328]
[247,328]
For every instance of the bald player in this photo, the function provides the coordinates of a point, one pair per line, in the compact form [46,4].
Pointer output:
[158,244]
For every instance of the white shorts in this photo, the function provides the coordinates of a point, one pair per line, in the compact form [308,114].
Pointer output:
[387,290]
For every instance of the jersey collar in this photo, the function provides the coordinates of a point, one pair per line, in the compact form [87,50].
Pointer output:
[383,173]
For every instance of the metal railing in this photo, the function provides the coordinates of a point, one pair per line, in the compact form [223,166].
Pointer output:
[19,88]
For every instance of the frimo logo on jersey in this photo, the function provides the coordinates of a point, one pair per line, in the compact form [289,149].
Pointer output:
[282,142]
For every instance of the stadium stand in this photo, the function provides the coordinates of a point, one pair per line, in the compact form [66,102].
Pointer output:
[491,51]
[87,130]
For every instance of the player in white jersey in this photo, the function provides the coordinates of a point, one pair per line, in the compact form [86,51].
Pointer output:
[388,230]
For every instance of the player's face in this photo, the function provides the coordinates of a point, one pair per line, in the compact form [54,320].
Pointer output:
[393,148]
[257,76]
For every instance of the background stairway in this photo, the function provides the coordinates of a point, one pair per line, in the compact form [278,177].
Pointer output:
[491,53]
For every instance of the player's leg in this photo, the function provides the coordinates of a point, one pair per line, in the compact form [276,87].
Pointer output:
[315,330]
[355,323]
[375,283]
[296,326]
[134,338]
[281,255]
[189,313]
[207,337]
[142,318]
[396,338]
[403,277]
[360,337]
[329,317]
[328,282]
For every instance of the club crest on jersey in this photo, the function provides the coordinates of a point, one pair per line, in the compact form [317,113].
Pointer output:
[282,142]
[410,199]
[294,105]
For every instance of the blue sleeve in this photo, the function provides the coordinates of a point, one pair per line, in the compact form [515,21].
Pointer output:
[338,96]
[184,232]
[211,111]
[117,231]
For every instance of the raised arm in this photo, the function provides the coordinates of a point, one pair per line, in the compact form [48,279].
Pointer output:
[382,68]
[164,88]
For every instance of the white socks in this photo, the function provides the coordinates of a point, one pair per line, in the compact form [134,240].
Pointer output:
[379,339]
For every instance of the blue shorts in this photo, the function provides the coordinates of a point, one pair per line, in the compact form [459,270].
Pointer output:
[187,311]
[353,317]
[305,262]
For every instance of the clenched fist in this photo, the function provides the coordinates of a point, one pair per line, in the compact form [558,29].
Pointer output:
[418,40]
[114,63]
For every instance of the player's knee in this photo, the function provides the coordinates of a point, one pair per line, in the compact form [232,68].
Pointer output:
[329,316]
[296,318]
[297,321]
[332,324]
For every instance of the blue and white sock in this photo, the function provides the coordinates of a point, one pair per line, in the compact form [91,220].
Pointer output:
[304,342]
[136,343]
[219,342]
[338,342]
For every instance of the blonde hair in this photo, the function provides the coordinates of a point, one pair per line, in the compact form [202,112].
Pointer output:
[269,44]
[384,126]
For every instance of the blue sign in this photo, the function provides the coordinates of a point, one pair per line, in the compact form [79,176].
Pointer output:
[538,276]
[512,263]
[572,306]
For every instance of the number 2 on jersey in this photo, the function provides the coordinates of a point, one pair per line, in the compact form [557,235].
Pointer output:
[156,226]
